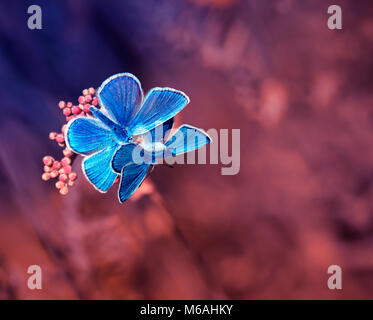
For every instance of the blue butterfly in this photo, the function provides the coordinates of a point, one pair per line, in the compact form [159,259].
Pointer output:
[124,113]
[132,160]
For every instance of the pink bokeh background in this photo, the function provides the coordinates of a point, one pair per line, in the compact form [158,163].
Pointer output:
[301,95]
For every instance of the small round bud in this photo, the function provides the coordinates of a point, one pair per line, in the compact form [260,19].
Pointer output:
[54,174]
[69,105]
[67,169]
[67,152]
[76,110]
[73,176]
[62,104]
[63,177]
[56,165]
[88,98]
[52,135]
[91,91]
[48,160]
[64,190]
[95,101]
[85,92]
[60,138]
[86,108]
[65,161]
[81,100]
[67,111]
[46,176]
[47,169]
[59,184]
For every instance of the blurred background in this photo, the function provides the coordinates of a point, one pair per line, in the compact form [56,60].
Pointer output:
[301,95]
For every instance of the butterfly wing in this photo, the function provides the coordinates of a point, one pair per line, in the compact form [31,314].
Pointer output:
[123,156]
[187,138]
[119,132]
[97,168]
[86,135]
[160,105]
[121,96]
[131,178]
[158,134]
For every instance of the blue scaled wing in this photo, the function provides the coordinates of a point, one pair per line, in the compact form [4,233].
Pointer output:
[97,168]
[187,138]
[160,105]
[121,96]
[86,135]
[158,134]
[132,176]
[123,156]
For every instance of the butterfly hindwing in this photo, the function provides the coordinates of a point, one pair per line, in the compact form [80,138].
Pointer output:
[123,156]
[121,96]
[158,134]
[131,178]
[187,138]
[97,168]
[87,135]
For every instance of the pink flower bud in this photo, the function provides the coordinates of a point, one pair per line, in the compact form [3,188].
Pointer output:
[56,165]
[52,135]
[69,105]
[95,101]
[62,104]
[47,169]
[86,108]
[73,176]
[60,138]
[67,111]
[48,160]
[76,110]
[67,169]
[54,174]
[81,100]
[67,152]
[85,92]
[59,184]
[64,190]
[69,118]
[88,98]
[65,161]
[46,176]
[91,91]
[63,177]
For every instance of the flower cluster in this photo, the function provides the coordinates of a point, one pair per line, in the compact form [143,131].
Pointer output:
[62,170]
